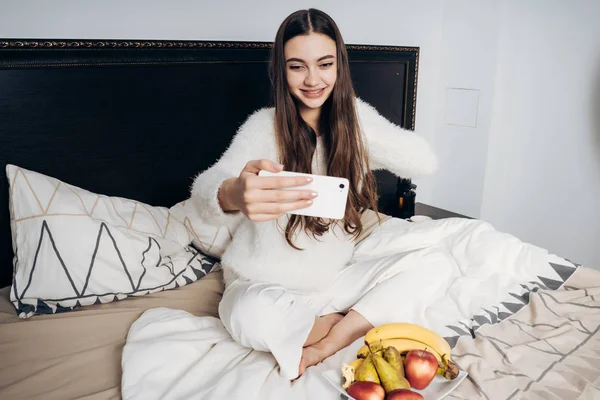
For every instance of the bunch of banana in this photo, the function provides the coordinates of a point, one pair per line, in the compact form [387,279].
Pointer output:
[405,337]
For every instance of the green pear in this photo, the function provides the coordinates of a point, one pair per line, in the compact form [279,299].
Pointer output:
[366,372]
[390,380]
[393,357]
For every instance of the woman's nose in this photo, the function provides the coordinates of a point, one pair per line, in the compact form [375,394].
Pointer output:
[312,78]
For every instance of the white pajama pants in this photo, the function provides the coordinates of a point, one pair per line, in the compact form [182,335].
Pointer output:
[267,317]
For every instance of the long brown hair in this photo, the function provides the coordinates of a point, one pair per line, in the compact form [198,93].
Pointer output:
[346,155]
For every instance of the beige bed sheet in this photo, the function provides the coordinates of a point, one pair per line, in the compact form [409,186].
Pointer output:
[77,355]
[550,349]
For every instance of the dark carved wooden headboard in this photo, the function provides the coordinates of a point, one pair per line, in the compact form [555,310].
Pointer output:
[138,119]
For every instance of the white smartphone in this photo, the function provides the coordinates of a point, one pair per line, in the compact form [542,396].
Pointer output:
[332,194]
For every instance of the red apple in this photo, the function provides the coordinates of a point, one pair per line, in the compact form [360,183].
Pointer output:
[420,367]
[366,391]
[404,394]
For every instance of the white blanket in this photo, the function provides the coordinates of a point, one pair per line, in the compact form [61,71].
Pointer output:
[171,354]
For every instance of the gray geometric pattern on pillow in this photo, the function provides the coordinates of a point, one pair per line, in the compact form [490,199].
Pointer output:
[198,265]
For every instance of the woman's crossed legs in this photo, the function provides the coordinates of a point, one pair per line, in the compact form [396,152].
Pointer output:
[269,318]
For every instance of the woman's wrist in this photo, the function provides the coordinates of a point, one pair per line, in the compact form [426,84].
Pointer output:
[226,195]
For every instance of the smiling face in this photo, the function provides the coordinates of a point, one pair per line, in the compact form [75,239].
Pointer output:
[311,69]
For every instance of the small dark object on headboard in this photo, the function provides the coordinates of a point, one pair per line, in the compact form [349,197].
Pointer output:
[139,119]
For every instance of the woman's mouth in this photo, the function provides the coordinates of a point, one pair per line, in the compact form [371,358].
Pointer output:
[313,94]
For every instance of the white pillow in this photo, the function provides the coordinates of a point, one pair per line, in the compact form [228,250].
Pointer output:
[212,240]
[77,248]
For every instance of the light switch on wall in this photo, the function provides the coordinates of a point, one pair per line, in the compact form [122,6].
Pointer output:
[462,106]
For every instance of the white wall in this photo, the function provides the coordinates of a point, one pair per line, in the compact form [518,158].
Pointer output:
[513,53]
[469,58]
[542,179]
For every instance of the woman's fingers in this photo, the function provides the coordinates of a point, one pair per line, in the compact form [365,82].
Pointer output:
[278,182]
[270,182]
[277,208]
[269,196]
[254,166]
[252,181]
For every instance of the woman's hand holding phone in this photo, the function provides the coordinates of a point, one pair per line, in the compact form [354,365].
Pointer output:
[264,198]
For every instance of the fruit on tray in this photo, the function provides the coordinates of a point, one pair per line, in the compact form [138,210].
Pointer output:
[402,345]
[397,357]
[393,357]
[367,372]
[390,380]
[434,343]
[366,391]
[403,394]
[420,368]
[349,371]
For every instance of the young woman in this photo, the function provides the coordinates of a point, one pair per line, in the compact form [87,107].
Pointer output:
[289,288]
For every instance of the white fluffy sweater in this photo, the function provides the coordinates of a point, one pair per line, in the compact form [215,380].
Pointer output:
[259,251]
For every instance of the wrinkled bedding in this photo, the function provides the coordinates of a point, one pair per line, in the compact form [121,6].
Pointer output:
[485,276]
[549,349]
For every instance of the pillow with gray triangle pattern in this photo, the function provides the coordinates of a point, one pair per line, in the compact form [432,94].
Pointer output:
[76,248]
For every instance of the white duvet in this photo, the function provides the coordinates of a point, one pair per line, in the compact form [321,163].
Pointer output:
[171,354]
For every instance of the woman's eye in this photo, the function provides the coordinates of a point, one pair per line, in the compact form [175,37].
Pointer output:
[296,67]
[326,65]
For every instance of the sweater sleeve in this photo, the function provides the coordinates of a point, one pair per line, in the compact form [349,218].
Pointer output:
[400,151]
[249,143]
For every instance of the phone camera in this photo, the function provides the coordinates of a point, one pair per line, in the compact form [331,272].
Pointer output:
[342,186]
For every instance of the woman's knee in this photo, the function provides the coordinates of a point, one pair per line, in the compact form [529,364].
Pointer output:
[251,316]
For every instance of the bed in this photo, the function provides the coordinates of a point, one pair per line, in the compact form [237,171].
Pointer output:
[114,131]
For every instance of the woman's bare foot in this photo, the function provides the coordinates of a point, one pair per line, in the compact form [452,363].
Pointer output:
[322,327]
[343,333]
[312,355]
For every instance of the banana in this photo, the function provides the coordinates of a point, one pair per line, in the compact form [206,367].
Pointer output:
[405,330]
[403,346]
[356,363]
[450,370]
[348,375]
[348,371]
